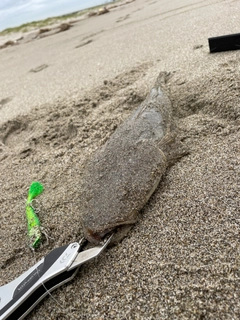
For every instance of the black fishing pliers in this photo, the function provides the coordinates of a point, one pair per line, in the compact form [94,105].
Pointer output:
[20,296]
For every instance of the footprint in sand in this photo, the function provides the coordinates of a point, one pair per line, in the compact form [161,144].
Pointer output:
[4,101]
[123,18]
[84,43]
[13,137]
[39,68]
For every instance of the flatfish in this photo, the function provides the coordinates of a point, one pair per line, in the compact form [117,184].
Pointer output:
[122,175]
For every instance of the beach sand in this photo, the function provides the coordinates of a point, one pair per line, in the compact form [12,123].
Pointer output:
[181,259]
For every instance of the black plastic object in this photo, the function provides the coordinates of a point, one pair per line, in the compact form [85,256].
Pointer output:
[224,43]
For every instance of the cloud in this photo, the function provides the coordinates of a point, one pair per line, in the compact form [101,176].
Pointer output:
[6,3]
[11,7]
[8,8]
[13,12]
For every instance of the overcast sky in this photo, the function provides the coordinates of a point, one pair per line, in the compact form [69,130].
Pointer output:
[16,12]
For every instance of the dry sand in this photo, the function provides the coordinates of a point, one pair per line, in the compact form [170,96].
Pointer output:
[181,260]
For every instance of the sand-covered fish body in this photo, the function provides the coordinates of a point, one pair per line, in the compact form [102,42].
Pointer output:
[123,174]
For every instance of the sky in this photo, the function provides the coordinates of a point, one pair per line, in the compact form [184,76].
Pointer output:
[16,12]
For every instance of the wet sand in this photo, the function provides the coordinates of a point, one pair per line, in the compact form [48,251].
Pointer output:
[181,259]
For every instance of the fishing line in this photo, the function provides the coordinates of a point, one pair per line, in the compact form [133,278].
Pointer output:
[49,293]
[62,309]
[35,232]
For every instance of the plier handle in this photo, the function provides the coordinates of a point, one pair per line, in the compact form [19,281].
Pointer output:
[20,296]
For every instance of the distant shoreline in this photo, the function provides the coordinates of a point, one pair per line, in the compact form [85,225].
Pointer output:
[38,29]
[30,26]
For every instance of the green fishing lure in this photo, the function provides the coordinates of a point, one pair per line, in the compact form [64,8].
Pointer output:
[34,225]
